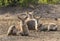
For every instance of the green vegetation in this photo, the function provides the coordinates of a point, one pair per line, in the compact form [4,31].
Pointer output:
[26,2]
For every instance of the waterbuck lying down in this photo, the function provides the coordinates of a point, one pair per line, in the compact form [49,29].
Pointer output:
[31,21]
[47,27]
[24,29]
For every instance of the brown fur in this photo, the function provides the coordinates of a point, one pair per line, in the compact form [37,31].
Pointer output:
[24,29]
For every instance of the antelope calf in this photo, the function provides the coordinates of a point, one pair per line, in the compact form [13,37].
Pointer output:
[37,17]
[31,21]
[24,29]
[47,27]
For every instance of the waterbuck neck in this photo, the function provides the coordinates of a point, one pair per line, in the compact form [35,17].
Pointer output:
[23,21]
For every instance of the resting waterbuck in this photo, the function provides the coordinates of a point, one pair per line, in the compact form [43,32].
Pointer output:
[24,29]
[37,17]
[31,21]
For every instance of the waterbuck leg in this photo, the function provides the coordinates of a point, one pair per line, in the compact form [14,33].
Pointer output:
[25,31]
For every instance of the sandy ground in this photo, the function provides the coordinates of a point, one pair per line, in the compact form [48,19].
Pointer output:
[34,36]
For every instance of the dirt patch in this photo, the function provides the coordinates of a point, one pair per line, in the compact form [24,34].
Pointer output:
[34,36]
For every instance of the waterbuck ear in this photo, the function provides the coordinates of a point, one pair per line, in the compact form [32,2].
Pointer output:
[37,16]
[26,17]
[19,18]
